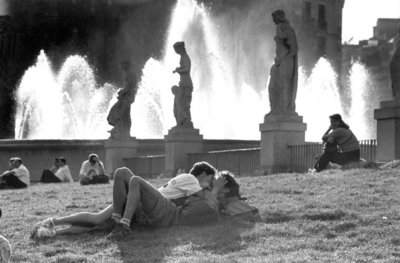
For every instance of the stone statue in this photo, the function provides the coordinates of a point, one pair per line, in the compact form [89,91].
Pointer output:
[178,105]
[283,76]
[120,113]
[395,68]
[183,94]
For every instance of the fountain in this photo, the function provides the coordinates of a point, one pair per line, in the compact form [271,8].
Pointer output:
[66,105]
[229,101]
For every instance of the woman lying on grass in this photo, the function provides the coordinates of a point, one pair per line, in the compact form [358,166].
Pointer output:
[227,189]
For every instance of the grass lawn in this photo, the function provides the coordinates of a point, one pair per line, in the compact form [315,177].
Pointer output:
[334,216]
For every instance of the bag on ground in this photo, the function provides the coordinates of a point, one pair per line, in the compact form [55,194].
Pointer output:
[197,211]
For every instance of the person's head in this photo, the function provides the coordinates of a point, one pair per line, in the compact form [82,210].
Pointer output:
[93,158]
[62,161]
[203,171]
[126,65]
[56,161]
[337,121]
[15,162]
[179,47]
[278,16]
[231,188]
[10,162]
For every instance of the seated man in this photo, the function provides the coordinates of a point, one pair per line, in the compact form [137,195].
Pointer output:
[63,173]
[59,173]
[92,171]
[17,177]
[132,195]
[48,175]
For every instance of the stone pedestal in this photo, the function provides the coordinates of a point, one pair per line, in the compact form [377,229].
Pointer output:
[178,143]
[278,132]
[116,151]
[388,131]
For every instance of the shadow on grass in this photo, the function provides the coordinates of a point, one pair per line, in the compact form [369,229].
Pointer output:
[324,215]
[147,244]
[276,217]
[156,245]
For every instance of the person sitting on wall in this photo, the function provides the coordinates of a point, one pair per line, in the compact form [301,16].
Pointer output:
[92,171]
[17,177]
[340,145]
[59,173]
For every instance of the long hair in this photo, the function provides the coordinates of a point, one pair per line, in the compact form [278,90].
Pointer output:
[338,117]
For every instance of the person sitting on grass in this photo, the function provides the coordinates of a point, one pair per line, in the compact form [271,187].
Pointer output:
[59,173]
[48,175]
[17,177]
[92,171]
[132,195]
[341,145]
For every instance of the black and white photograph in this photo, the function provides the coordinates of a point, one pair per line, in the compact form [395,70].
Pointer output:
[199,131]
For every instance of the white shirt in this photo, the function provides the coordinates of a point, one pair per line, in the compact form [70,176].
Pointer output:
[88,169]
[180,186]
[63,173]
[22,173]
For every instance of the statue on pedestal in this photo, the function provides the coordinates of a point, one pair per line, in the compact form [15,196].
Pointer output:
[283,76]
[183,92]
[120,113]
[395,68]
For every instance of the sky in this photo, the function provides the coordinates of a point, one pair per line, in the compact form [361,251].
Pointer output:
[360,16]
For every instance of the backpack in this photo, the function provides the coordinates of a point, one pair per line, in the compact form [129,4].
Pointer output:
[197,211]
[242,209]
[233,205]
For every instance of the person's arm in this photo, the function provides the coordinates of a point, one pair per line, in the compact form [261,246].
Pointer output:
[53,169]
[102,171]
[184,65]
[286,33]
[64,174]
[216,185]
[6,173]
[326,134]
[82,172]
[68,174]
[211,195]
[291,41]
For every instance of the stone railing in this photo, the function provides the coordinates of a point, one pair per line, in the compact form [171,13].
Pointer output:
[239,161]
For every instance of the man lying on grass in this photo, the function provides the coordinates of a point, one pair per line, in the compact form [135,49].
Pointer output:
[134,196]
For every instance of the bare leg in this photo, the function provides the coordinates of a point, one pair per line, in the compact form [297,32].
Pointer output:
[86,219]
[140,192]
[77,223]
[73,230]
[120,188]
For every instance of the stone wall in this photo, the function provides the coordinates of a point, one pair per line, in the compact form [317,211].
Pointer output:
[39,154]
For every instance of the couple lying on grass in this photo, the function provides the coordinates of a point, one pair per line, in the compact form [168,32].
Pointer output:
[137,201]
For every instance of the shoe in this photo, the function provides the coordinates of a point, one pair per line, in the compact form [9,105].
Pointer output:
[43,232]
[110,224]
[312,171]
[47,223]
[120,231]
[4,186]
